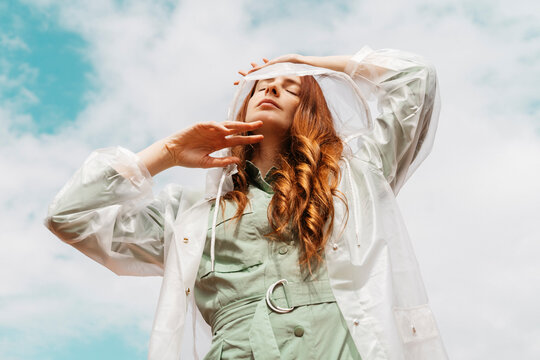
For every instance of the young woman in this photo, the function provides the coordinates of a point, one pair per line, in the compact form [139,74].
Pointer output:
[296,249]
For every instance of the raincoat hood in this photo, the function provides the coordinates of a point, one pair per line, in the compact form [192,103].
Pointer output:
[348,106]
[345,99]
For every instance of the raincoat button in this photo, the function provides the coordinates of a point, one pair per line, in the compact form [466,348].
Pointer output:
[298,331]
[187,291]
[186,240]
[356,322]
[335,247]
[283,250]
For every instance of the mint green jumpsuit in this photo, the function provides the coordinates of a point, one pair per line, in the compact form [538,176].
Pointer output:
[232,298]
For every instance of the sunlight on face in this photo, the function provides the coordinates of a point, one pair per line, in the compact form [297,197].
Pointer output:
[274,102]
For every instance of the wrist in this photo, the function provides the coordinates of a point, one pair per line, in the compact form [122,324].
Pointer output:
[156,157]
[168,149]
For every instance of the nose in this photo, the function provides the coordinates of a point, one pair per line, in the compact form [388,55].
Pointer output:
[272,88]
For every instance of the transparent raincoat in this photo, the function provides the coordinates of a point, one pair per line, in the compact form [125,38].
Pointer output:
[385,107]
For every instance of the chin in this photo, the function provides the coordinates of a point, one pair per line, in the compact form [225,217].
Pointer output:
[272,122]
[264,116]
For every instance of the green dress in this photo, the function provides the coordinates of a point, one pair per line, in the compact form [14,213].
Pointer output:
[232,299]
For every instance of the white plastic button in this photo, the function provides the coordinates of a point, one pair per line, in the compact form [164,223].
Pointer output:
[188,291]
[335,247]
[356,322]
[186,240]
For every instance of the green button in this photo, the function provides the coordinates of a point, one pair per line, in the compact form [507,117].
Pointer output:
[283,250]
[298,331]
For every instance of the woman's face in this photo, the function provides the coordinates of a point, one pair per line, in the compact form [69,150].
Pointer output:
[274,102]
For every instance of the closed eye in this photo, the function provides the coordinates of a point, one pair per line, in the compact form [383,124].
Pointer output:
[292,92]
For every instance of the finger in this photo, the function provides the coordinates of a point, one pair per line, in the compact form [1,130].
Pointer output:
[235,126]
[243,140]
[253,64]
[221,162]
[243,73]
[265,60]
[212,125]
[255,69]
[236,83]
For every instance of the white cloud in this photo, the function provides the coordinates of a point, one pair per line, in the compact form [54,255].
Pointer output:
[158,68]
[14,81]
[12,43]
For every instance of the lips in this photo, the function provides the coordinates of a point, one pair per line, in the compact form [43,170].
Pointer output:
[269,101]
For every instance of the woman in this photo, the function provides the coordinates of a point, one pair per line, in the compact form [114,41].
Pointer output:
[310,261]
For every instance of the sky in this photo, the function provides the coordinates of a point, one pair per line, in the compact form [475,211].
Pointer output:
[80,75]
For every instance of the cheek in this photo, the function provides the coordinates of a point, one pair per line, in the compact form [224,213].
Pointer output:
[251,105]
[293,107]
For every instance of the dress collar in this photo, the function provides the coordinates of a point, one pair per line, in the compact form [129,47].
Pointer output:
[256,178]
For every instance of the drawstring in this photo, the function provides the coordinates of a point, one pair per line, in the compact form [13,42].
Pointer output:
[194,327]
[355,201]
[213,242]
[212,257]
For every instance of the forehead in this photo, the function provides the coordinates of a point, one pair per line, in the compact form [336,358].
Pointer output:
[295,80]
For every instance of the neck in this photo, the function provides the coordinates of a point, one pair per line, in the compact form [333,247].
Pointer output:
[266,153]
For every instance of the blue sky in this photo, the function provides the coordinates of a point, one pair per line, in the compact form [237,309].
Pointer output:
[51,61]
[108,345]
[80,75]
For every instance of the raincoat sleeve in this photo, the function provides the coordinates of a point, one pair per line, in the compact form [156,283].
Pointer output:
[405,88]
[112,218]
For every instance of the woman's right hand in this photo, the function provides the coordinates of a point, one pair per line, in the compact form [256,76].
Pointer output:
[192,147]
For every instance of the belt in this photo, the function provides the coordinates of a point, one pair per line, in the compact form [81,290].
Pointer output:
[281,297]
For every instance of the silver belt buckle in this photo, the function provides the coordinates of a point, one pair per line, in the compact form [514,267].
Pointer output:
[269,302]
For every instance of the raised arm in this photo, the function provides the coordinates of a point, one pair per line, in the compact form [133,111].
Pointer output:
[107,209]
[406,89]
[114,220]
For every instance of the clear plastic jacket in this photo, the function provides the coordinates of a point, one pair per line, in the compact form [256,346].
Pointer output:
[109,212]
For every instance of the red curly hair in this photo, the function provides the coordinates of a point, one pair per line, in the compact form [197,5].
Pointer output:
[307,177]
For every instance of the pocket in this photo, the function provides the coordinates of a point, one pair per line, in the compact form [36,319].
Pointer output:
[242,266]
[234,243]
[227,216]
[416,324]
[237,248]
[231,268]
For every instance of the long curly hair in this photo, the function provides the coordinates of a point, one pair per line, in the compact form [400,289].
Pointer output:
[306,178]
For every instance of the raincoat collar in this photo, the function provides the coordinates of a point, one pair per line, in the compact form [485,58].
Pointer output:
[256,178]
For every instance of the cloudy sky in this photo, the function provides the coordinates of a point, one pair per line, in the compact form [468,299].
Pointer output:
[81,75]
